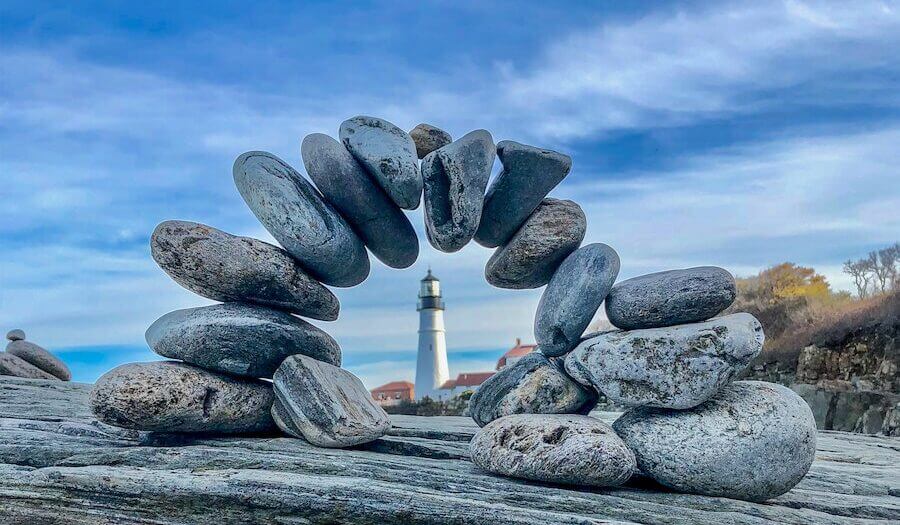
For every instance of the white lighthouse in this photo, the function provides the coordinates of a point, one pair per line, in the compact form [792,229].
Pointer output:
[431,364]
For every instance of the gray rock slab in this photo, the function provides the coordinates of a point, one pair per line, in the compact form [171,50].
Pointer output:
[429,138]
[528,175]
[455,177]
[377,220]
[300,220]
[535,384]
[40,358]
[529,259]
[169,396]
[15,335]
[752,441]
[389,154]
[225,267]
[670,298]
[674,367]
[567,449]
[573,296]
[11,365]
[238,338]
[326,405]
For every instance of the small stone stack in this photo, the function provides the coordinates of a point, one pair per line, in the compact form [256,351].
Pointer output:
[25,359]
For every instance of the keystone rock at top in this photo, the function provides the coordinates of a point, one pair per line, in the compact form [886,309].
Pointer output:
[429,138]
[15,335]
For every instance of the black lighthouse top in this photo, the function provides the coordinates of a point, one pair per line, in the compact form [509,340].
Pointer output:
[430,293]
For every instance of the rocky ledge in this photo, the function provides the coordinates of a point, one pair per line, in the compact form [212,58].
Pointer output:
[59,465]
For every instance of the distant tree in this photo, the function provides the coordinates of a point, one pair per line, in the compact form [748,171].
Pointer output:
[859,271]
[879,272]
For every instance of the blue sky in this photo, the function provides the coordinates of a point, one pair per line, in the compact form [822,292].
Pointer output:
[736,134]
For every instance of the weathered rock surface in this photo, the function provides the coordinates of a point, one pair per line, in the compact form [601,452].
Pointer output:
[11,365]
[40,358]
[674,367]
[455,177]
[534,384]
[225,267]
[752,441]
[326,405]
[528,175]
[168,396]
[304,224]
[15,335]
[573,296]
[670,298]
[239,339]
[377,220]
[389,154]
[429,138]
[573,450]
[528,260]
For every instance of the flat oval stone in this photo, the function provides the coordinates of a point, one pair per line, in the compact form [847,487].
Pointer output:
[534,384]
[11,365]
[15,335]
[40,358]
[380,224]
[752,441]
[389,154]
[528,175]
[225,267]
[168,396]
[670,298]
[455,177]
[574,450]
[239,339]
[304,224]
[428,138]
[531,256]
[674,367]
[326,405]
[573,296]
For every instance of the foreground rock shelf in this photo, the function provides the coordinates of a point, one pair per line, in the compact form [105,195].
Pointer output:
[58,464]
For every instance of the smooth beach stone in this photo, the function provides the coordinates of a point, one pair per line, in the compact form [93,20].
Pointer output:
[40,358]
[302,222]
[528,175]
[11,365]
[455,177]
[752,441]
[428,138]
[238,338]
[381,225]
[225,267]
[673,367]
[168,396]
[535,384]
[15,335]
[529,259]
[389,154]
[574,450]
[670,298]
[326,405]
[573,296]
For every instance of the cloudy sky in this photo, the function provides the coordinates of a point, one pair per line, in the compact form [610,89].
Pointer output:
[736,134]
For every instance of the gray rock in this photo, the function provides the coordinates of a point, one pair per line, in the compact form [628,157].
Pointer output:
[529,259]
[574,450]
[11,365]
[429,138]
[455,177]
[670,298]
[373,215]
[527,177]
[225,267]
[674,367]
[326,405]
[40,358]
[389,154]
[297,216]
[535,384]
[239,339]
[572,297]
[752,441]
[168,396]
[15,335]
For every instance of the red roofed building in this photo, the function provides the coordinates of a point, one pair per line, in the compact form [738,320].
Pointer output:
[514,354]
[394,393]
[465,381]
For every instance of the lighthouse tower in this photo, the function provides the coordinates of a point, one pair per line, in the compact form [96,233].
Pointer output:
[431,364]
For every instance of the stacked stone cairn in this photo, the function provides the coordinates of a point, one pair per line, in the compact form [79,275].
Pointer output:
[26,359]
[671,361]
